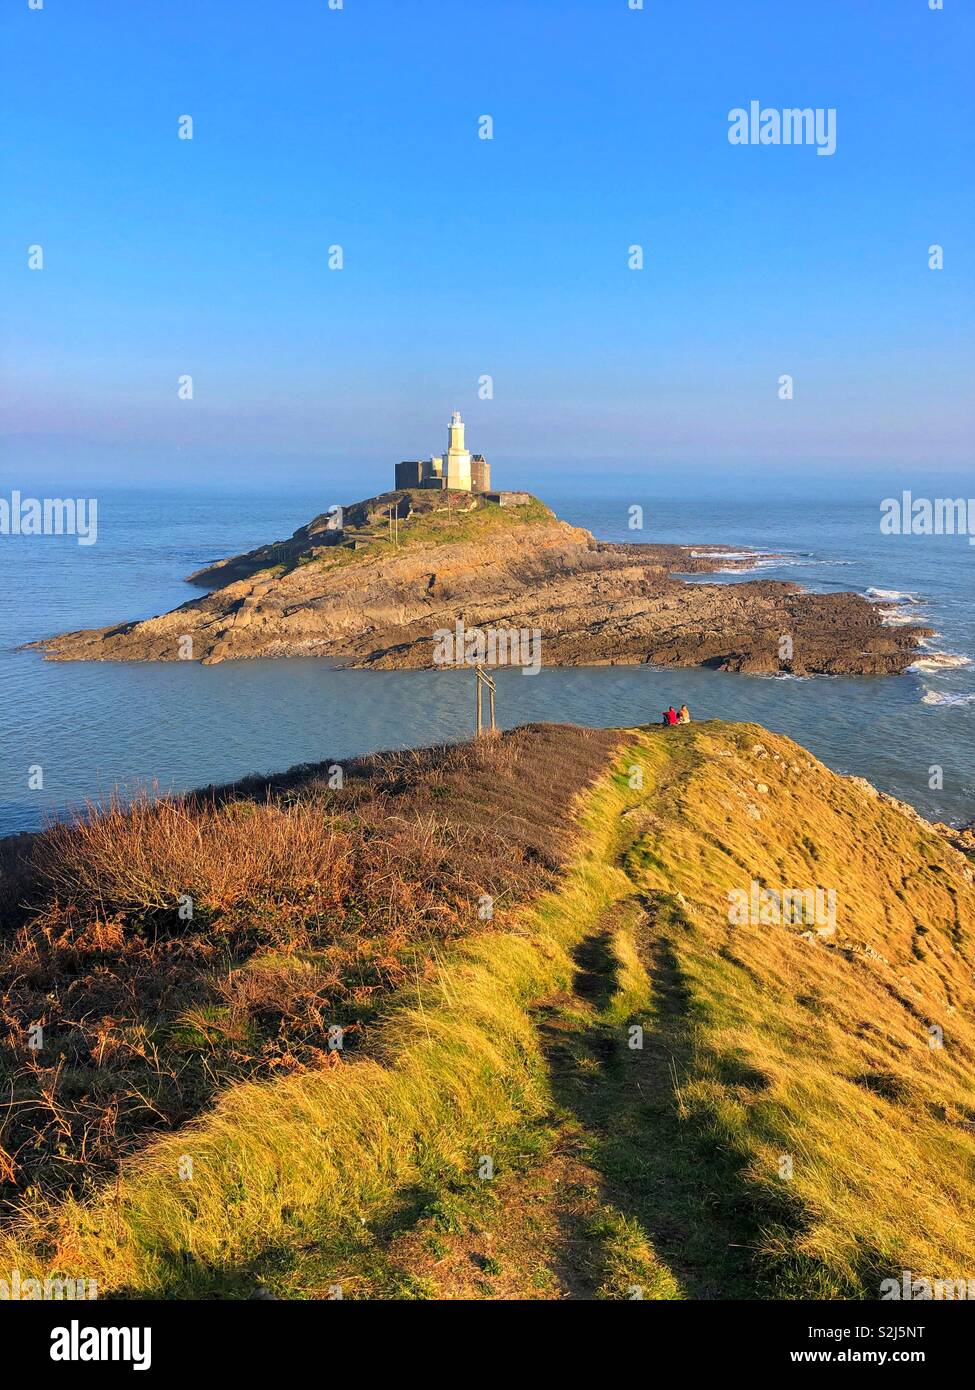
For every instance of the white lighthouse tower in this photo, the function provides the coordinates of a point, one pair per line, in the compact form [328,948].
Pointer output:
[457,460]
[457,468]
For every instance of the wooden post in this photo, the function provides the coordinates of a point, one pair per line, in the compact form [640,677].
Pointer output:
[482,679]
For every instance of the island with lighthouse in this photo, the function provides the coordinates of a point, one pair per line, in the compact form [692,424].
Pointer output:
[369,583]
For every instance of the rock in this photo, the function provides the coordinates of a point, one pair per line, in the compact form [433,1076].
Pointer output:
[356,599]
[866,787]
[905,809]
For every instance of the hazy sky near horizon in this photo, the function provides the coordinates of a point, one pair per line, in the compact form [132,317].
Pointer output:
[466,257]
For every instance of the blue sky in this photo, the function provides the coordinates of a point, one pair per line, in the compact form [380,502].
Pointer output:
[466,257]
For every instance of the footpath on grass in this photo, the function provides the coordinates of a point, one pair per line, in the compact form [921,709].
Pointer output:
[652,1082]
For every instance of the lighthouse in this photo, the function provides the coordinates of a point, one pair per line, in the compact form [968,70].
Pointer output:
[456,468]
[457,460]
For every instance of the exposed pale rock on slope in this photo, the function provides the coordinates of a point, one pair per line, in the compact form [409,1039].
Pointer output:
[360,600]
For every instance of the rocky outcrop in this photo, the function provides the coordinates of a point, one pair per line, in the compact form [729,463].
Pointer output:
[361,599]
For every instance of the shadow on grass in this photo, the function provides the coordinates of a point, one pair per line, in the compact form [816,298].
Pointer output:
[337,1261]
[684,1186]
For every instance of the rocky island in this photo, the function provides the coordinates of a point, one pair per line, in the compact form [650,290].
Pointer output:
[370,584]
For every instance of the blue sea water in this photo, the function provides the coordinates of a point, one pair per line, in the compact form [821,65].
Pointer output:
[93,727]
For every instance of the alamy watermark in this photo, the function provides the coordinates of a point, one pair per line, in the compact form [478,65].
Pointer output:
[913,1289]
[488,646]
[49,516]
[908,515]
[16,1289]
[758,906]
[793,125]
[77,1343]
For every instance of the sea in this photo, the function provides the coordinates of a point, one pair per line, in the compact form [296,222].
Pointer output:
[75,733]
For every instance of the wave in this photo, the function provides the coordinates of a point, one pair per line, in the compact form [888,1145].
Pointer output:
[726,554]
[893,595]
[895,617]
[943,698]
[757,559]
[940,661]
[750,569]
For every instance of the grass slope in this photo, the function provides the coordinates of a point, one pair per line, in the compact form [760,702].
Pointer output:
[309,1158]
[613,1092]
[845,1061]
[312,905]
[432,523]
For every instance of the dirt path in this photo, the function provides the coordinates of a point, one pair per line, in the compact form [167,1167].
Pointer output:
[615,1193]
[616,1196]
[548,1227]
[668,1181]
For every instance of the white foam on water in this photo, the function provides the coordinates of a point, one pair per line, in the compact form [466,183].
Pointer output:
[940,661]
[893,595]
[757,559]
[726,554]
[943,698]
[894,617]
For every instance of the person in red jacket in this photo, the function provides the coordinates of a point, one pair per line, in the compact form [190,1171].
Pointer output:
[670,716]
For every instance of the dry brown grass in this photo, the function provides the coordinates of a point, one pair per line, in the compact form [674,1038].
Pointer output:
[127,860]
[309,907]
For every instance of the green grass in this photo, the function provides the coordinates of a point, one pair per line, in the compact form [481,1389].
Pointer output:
[447,527]
[758,1045]
[814,1052]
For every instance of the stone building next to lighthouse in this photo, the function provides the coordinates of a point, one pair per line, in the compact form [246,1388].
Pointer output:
[457,468]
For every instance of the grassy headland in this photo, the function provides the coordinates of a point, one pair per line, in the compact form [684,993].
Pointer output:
[610,1089]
